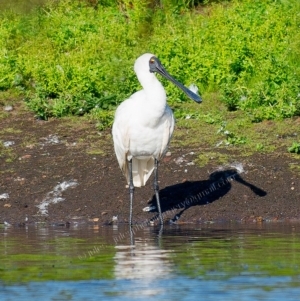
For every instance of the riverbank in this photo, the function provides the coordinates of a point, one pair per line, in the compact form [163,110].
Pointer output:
[64,171]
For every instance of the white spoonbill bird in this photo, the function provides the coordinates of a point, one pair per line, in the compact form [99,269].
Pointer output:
[143,126]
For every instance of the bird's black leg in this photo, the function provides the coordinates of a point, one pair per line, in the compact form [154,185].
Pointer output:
[156,189]
[131,190]
[131,235]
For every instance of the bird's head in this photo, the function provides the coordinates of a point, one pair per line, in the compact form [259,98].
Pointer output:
[150,63]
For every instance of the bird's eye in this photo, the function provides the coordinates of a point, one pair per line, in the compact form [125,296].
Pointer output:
[152,60]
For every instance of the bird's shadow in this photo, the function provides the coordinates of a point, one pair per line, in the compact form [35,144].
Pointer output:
[185,195]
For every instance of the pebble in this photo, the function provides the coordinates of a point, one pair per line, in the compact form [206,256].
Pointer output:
[8,143]
[52,139]
[4,196]
[179,160]
[19,179]
[8,108]
[25,157]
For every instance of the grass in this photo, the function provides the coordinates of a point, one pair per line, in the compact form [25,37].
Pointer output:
[295,167]
[205,131]
[295,148]
[95,150]
[10,131]
[212,157]
[7,154]
[74,58]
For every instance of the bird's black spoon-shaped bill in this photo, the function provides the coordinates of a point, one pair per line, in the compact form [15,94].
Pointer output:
[156,66]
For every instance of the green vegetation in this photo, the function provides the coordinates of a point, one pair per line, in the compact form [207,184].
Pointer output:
[295,148]
[214,253]
[7,153]
[214,129]
[220,258]
[76,57]
[55,259]
[207,157]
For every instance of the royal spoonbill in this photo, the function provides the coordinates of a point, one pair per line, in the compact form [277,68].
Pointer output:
[143,126]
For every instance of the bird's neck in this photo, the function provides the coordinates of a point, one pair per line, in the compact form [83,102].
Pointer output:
[154,90]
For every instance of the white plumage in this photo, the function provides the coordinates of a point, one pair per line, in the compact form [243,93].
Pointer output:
[144,124]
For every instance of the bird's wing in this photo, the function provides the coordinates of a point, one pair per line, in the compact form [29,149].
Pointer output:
[141,168]
[167,131]
[120,138]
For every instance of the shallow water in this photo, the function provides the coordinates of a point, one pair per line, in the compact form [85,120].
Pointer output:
[211,262]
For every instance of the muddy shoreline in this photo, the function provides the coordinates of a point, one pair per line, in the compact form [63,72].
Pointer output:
[60,173]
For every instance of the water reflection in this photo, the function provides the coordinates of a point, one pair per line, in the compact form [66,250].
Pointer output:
[145,260]
[218,262]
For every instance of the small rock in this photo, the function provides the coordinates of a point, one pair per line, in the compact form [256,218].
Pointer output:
[25,157]
[168,154]
[259,219]
[4,196]
[292,188]
[8,143]
[7,205]
[19,179]
[8,108]
[149,208]
[103,213]
[30,146]
[52,139]
[166,159]
[180,160]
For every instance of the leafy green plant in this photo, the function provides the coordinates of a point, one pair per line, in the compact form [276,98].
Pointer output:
[103,118]
[71,57]
[231,138]
[181,113]
[295,148]
[260,147]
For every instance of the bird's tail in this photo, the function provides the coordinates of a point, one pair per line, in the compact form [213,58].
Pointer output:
[141,171]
